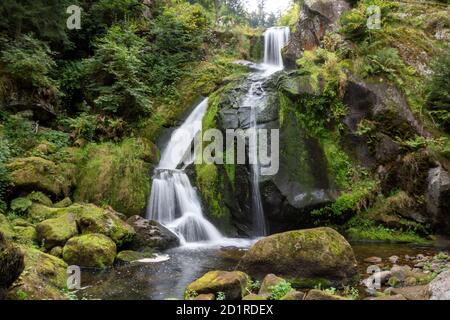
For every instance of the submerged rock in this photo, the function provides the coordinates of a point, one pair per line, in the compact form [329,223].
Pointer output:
[90,250]
[151,234]
[304,257]
[232,283]
[11,264]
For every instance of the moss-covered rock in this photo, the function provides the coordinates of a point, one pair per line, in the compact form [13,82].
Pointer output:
[253,296]
[316,294]
[303,257]
[39,197]
[63,203]
[90,250]
[232,283]
[128,256]
[56,231]
[293,295]
[11,264]
[89,219]
[34,173]
[6,227]
[25,234]
[56,251]
[268,283]
[44,277]
[20,205]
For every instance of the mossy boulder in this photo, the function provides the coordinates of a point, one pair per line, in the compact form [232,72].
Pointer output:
[253,296]
[20,205]
[39,197]
[90,250]
[11,264]
[232,283]
[35,173]
[6,227]
[89,219]
[56,231]
[316,294]
[25,234]
[63,203]
[293,295]
[304,257]
[268,283]
[44,277]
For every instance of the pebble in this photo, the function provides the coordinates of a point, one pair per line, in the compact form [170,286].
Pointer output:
[373,260]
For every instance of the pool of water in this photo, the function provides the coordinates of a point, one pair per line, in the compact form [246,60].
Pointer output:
[168,279]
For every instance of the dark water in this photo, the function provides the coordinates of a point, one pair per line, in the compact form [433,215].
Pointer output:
[168,279]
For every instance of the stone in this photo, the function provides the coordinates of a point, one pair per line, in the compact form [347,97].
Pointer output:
[394,297]
[151,234]
[232,283]
[63,203]
[440,286]
[128,256]
[268,282]
[393,259]
[316,294]
[44,277]
[90,250]
[293,295]
[253,296]
[26,234]
[437,198]
[303,257]
[35,173]
[205,296]
[413,293]
[382,277]
[373,260]
[56,251]
[56,231]
[5,227]
[11,264]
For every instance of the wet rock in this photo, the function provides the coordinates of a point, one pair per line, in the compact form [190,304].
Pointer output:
[379,277]
[440,287]
[205,296]
[232,283]
[253,296]
[90,250]
[151,234]
[373,260]
[315,294]
[307,256]
[56,231]
[128,256]
[268,282]
[393,259]
[413,293]
[438,198]
[11,264]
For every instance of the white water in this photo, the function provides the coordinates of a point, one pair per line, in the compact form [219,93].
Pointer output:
[274,41]
[173,201]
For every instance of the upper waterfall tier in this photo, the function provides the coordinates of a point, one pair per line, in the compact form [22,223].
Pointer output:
[274,40]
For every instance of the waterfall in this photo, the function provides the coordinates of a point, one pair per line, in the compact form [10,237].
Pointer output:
[274,40]
[173,201]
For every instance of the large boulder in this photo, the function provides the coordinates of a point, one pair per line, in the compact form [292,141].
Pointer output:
[439,288]
[56,231]
[35,173]
[232,283]
[316,17]
[151,234]
[304,257]
[11,264]
[5,227]
[438,198]
[44,277]
[90,250]
[89,219]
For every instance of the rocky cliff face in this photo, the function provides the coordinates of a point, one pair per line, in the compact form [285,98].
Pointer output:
[315,19]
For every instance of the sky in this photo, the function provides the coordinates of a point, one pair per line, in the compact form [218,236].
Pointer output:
[271,5]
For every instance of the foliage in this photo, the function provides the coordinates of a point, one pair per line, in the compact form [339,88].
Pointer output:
[220,296]
[280,290]
[190,294]
[20,205]
[438,98]
[290,18]
[29,62]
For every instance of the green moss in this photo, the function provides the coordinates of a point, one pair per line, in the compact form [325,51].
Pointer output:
[37,196]
[56,231]
[115,175]
[20,205]
[5,227]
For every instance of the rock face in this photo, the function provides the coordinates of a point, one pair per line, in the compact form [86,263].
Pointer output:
[439,288]
[11,264]
[90,250]
[304,257]
[231,283]
[315,19]
[151,234]
[56,231]
[36,173]
[44,277]
[438,197]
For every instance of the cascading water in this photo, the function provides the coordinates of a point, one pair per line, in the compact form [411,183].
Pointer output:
[173,201]
[274,40]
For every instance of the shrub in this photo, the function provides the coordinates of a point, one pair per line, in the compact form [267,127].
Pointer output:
[280,290]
